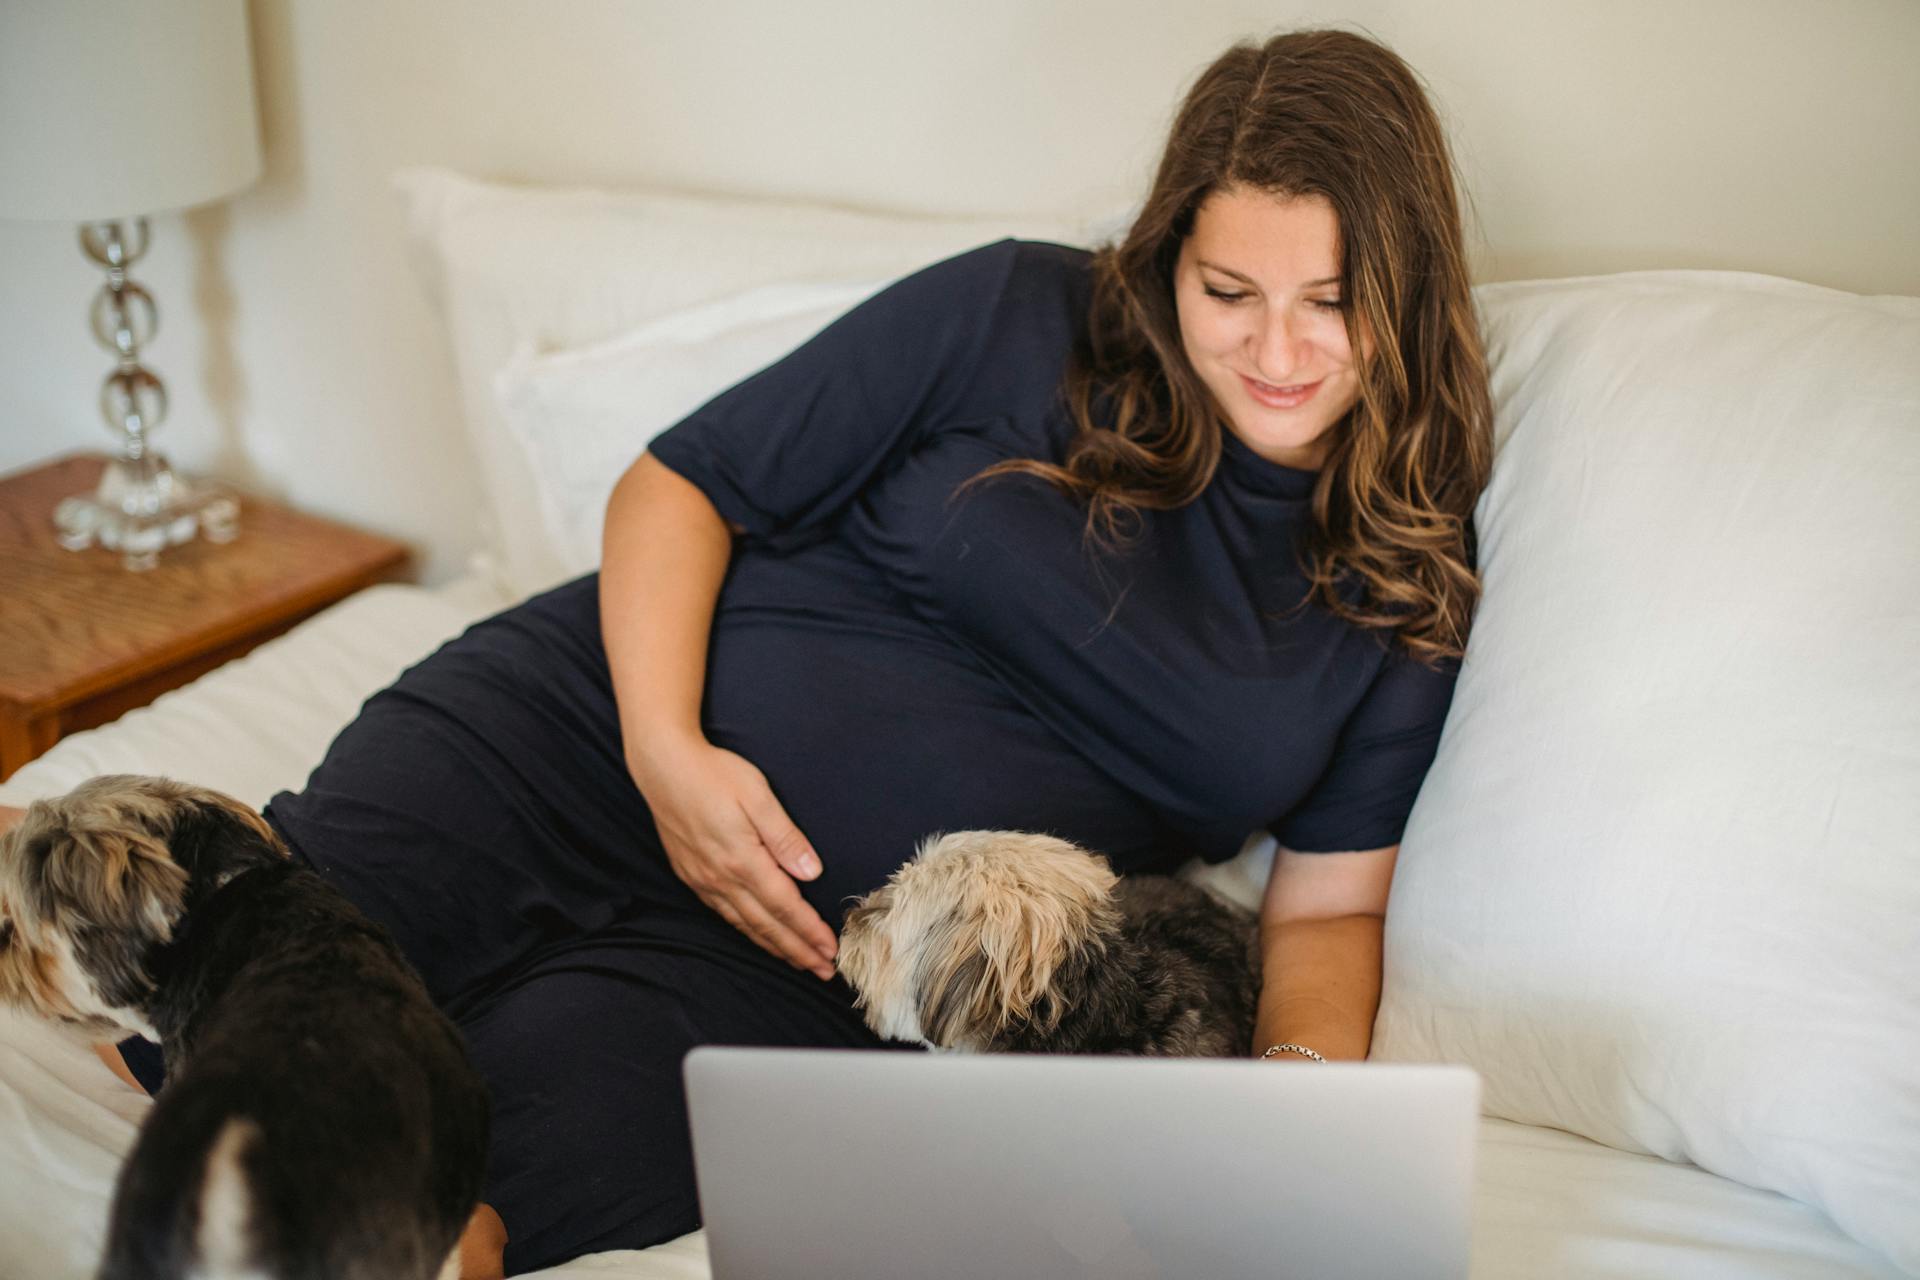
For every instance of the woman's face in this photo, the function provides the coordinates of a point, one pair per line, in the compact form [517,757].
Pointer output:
[1258,291]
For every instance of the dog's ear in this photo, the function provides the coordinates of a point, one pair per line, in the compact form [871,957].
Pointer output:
[91,890]
[102,870]
[964,1005]
[1025,913]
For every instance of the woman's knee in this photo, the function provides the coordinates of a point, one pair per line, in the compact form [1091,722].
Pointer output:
[590,1146]
[481,1253]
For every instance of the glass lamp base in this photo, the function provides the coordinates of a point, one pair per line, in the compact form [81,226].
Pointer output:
[141,508]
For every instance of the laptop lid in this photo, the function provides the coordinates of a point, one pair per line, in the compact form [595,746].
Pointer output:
[842,1164]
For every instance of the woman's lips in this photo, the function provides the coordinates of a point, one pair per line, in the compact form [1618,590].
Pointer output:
[1280,397]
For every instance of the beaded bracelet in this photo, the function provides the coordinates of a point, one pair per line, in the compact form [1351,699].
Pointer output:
[1290,1047]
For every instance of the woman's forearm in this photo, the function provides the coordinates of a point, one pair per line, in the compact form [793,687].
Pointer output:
[665,553]
[1321,985]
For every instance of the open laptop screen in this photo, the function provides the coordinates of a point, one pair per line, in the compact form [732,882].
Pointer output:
[851,1165]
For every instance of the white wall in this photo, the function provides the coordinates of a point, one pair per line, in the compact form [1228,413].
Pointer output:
[303,360]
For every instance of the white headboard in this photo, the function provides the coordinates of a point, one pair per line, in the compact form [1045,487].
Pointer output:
[304,360]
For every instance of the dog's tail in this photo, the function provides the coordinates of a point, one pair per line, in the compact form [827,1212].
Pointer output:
[185,1205]
[223,1240]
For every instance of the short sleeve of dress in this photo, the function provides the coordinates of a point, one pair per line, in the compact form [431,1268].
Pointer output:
[1362,799]
[786,450]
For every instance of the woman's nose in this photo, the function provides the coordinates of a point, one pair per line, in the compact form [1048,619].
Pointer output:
[1280,351]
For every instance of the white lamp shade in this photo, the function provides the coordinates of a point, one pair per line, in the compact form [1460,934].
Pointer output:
[117,108]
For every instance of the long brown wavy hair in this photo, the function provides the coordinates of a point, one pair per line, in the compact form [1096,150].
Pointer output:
[1308,113]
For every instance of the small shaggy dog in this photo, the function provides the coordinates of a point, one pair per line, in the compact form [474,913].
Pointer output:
[1005,942]
[320,1118]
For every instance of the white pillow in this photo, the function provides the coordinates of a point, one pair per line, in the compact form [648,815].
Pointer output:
[582,417]
[551,269]
[1662,885]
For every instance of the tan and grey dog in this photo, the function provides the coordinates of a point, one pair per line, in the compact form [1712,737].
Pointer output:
[1007,942]
[320,1117]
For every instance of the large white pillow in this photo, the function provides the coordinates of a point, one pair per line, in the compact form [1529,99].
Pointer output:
[1662,886]
[551,269]
[582,417]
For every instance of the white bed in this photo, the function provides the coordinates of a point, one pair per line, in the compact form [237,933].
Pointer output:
[1548,1203]
[1698,823]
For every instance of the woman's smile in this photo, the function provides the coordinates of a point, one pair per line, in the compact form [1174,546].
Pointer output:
[1290,397]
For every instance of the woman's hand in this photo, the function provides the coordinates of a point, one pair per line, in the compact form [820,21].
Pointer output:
[732,843]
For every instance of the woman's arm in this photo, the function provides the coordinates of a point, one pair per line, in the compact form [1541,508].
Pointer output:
[1321,926]
[666,551]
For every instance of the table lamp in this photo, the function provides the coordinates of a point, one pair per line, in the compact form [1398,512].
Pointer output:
[111,110]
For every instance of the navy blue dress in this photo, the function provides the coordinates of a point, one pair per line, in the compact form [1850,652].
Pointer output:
[898,662]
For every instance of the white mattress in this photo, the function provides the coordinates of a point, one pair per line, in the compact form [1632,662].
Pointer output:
[1546,1204]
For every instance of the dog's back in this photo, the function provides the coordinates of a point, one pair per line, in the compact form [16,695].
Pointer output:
[1199,953]
[1177,975]
[321,1118]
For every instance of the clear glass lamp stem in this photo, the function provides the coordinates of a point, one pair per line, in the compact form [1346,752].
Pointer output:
[141,506]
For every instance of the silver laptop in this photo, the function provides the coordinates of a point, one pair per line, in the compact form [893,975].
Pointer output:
[862,1165]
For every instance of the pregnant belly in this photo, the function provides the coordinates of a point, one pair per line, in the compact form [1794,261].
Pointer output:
[875,737]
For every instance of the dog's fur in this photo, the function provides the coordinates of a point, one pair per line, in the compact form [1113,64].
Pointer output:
[1007,942]
[321,1118]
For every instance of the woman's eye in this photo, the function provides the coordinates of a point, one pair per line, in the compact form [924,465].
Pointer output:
[1333,304]
[1224,297]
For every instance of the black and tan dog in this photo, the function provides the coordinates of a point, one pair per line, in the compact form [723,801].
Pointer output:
[1007,942]
[321,1117]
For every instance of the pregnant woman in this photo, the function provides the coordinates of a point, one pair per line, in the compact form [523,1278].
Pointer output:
[1147,548]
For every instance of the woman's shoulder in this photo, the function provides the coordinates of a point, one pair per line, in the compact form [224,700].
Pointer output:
[1051,273]
[1014,254]
[1044,265]
[1050,255]
[1039,295]
[1016,306]
[1012,271]
[1003,288]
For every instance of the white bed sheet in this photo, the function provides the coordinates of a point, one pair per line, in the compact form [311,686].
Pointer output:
[1547,1203]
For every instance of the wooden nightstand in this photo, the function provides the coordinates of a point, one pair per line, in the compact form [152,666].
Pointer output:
[83,640]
